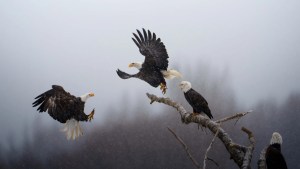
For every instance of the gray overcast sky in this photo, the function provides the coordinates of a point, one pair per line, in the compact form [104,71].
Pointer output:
[80,44]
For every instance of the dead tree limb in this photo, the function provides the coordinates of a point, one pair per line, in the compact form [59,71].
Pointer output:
[249,149]
[186,148]
[262,160]
[237,115]
[209,147]
[237,152]
[213,162]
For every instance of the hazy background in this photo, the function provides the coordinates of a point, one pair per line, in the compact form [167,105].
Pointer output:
[248,50]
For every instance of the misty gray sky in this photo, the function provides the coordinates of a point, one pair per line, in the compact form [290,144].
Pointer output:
[80,44]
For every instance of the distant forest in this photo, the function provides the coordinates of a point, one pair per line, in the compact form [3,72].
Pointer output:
[143,141]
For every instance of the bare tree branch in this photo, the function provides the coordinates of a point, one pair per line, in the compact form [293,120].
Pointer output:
[213,162]
[237,152]
[209,147]
[186,148]
[250,148]
[262,160]
[237,115]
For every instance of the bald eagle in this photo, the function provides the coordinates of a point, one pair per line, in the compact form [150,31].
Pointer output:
[195,99]
[65,108]
[274,158]
[154,70]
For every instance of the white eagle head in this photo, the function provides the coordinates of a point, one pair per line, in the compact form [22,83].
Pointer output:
[276,138]
[137,65]
[185,86]
[86,96]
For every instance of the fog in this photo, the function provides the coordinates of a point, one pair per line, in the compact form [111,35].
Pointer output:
[132,137]
[253,47]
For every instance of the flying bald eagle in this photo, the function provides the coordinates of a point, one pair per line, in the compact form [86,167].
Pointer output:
[195,99]
[65,108]
[274,158]
[154,70]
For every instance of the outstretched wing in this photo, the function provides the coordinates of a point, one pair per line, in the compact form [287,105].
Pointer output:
[57,102]
[153,49]
[124,75]
[198,102]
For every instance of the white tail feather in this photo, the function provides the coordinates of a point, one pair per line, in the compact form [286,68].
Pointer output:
[72,129]
[171,73]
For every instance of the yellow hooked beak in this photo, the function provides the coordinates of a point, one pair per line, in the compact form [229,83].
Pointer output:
[91,94]
[131,65]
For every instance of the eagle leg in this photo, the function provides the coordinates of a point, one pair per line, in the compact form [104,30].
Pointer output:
[91,115]
[163,88]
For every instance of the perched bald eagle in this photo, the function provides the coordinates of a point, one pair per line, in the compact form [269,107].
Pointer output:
[274,158]
[195,99]
[65,108]
[154,70]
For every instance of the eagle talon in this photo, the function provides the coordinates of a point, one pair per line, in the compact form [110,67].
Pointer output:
[91,115]
[163,88]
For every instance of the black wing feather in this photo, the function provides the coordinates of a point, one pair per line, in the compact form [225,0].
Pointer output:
[60,104]
[154,37]
[153,77]
[158,41]
[149,35]
[141,36]
[153,49]
[124,75]
[137,44]
[137,38]
[145,35]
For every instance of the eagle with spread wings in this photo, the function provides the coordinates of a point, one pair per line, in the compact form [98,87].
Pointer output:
[65,108]
[154,69]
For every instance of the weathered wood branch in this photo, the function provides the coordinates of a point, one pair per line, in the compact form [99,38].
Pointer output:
[249,149]
[209,147]
[237,152]
[237,115]
[213,162]
[262,160]
[186,148]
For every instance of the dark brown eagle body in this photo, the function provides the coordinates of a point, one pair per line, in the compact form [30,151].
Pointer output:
[274,158]
[151,75]
[197,101]
[61,105]
[156,59]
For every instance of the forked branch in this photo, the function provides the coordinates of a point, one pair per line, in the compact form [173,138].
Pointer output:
[238,153]
[209,147]
[249,149]
[186,148]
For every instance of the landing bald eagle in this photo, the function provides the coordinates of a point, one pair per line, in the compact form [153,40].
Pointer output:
[195,99]
[65,108]
[274,158]
[155,66]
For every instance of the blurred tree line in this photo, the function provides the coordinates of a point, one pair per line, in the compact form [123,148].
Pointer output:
[143,141]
